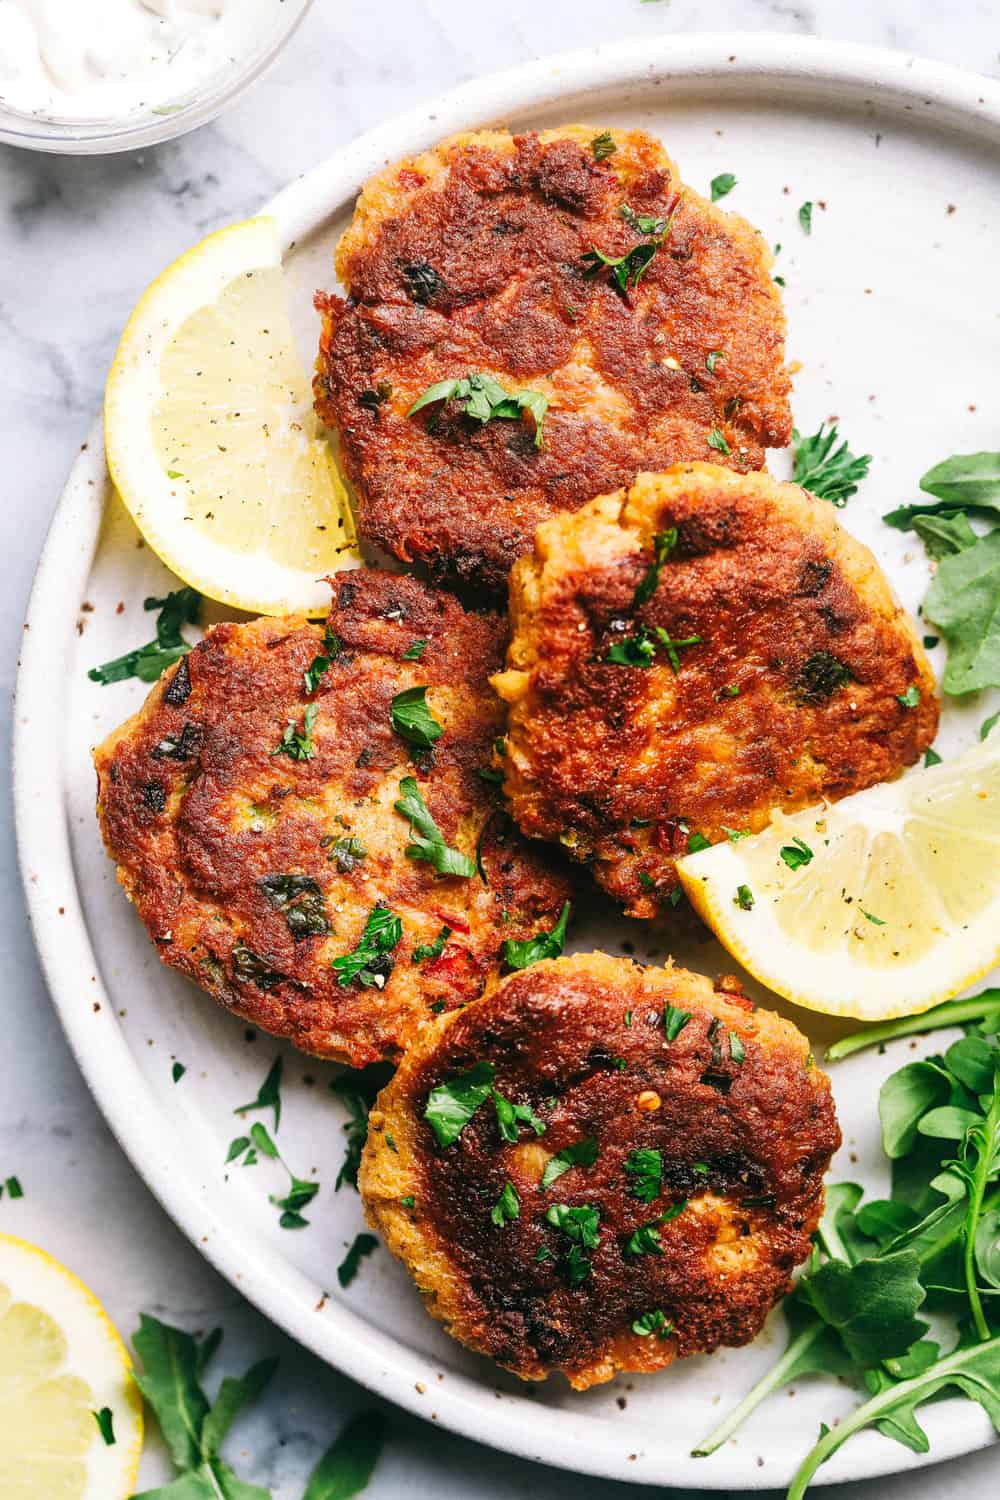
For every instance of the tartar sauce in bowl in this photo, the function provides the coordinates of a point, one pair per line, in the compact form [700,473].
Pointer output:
[109,60]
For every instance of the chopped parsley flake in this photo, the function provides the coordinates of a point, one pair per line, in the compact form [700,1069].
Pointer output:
[451,1105]
[806,217]
[298,744]
[581,1153]
[412,719]
[105,1425]
[485,400]
[796,854]
[696,842]
[362,1245]
[717,440]
[511,1116]
[910,698]
[743,898]
[369,963]
[603,146]
[674,1022]
[424,951]
[664,543]
[182,607]
[427,842]
[653,1322]
[415,651]
[645,1168]
[721,185]
[332,646]
[521,955]
[507,1207]
[828,472]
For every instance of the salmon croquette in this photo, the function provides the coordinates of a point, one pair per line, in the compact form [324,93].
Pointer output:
[568,312]
[298,814]
[601,1167]
[688,656]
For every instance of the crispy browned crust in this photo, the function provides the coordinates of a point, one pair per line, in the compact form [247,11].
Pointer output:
[581,1040]
[469,259]
[621,763]
[194,831]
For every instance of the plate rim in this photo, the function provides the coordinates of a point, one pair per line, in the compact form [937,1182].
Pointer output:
[937,94]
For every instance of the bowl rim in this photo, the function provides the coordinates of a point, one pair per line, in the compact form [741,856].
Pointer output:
[103,137]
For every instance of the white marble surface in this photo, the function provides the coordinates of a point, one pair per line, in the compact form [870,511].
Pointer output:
[79,239]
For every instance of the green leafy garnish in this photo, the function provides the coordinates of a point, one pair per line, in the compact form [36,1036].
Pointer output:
[424,951]
[640,649]
[820,676]
[346,1468]
[268,1095]
[105,1425]
[712,359]
[357,1088]
[177,1071]
[644,1167]
[486,400]
[653,1322]
[347,852]
[582,1153]
[966,481]
[828,472]
[507,1207]
[412,719]
[796,854]
[854,1312]
[603,146]
[674,1022]
[415,651]
[743,898]
[194,1428]
[450,1106]
[511,1116]
[299,900]
[428,842]
[362,1245]
[717,440]
[581,1227]
[182,607]
[646,1239]
[522,954]
[296,743]
[697,842]
[664,543]
[806,217]
[628,270]
[721,185]
[910,698]
[313,675]
[963,602]
[369,963]
[300,1192]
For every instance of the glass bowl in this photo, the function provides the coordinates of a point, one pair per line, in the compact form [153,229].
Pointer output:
[94,137]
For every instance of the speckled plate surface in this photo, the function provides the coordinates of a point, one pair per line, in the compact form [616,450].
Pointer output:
[893,310]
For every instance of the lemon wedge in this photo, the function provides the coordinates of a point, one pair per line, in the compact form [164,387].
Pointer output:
[61,1362]
[878,906]
[211,437]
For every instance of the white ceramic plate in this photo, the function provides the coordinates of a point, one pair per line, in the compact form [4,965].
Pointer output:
[893,309]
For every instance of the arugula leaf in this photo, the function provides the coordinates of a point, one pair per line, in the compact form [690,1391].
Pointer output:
[486,400]
[974,1370]
[346,1468]
[369,963]
[522,954]
[871,1305]
[982,1007]
[268,1095]
[412,719]
[233,1396]
[943,535]
[582,1153]
[169,1382]
[904,1099]
[428,843]
[964,602]
[450,1106]
[828,472]
[721,185]
[182,607]
[362,1245]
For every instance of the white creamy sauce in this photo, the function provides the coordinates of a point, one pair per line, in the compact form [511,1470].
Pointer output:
[103,60]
